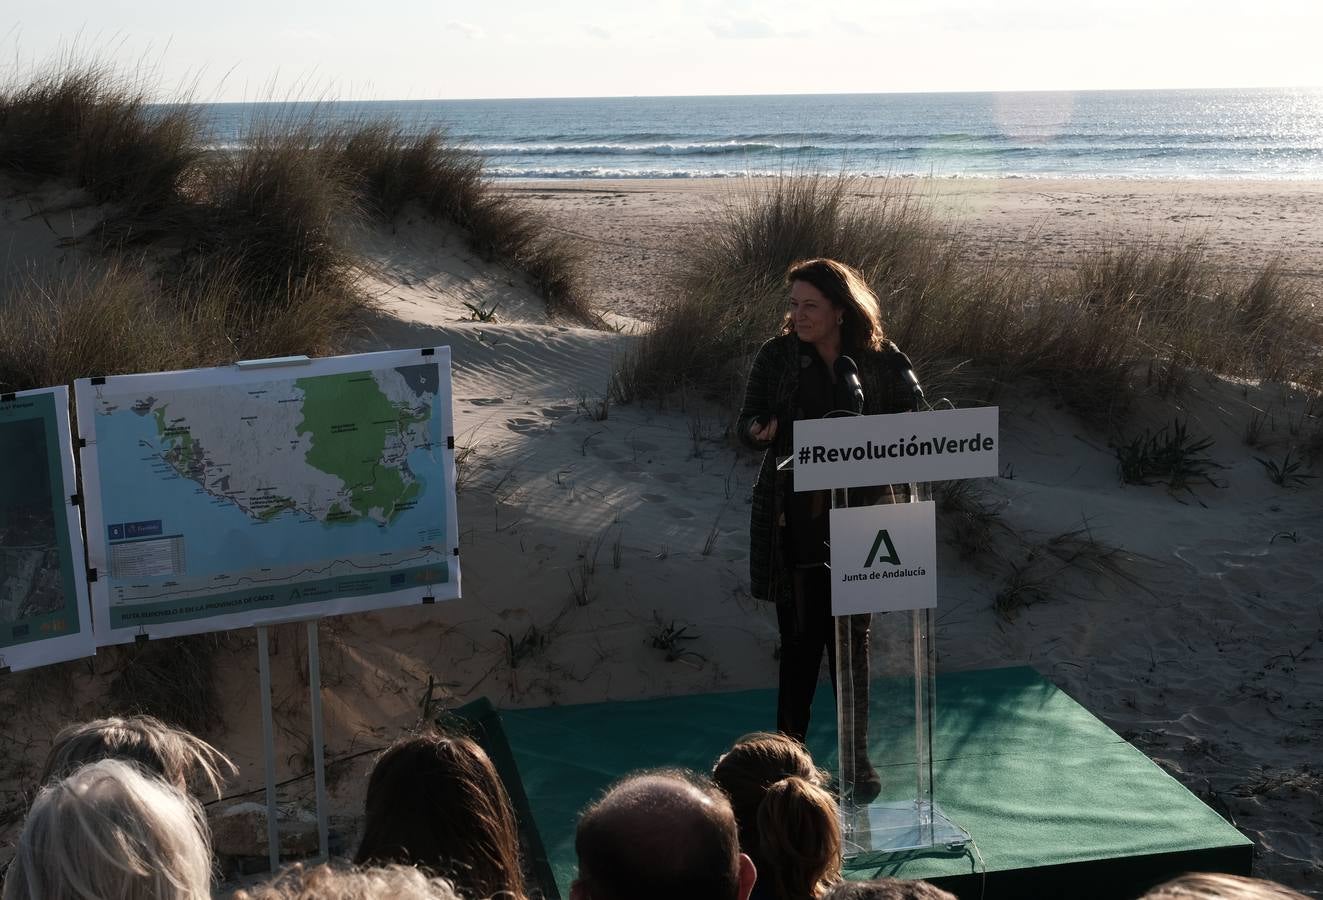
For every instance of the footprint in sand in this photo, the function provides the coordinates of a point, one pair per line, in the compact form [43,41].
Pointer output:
[557,412]
[679,513]
[654,498]
[488,401]
[524,426]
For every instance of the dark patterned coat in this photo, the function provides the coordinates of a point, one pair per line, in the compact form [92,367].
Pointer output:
[772,389]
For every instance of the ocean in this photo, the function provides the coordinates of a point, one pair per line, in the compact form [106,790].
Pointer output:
[1243,133]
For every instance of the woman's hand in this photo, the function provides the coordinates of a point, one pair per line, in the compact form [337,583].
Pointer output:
[763,434]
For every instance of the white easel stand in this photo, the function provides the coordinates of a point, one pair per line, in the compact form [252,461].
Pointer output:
[268,741]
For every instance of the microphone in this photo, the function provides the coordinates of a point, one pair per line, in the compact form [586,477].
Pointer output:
[848,372]
[906,369]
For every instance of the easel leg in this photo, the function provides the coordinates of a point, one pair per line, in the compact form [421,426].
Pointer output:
[268,749]
[318,751]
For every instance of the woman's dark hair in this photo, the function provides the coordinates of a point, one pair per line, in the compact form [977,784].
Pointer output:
[436,801]
[799,838]
[849,293]
[786,820]
[755,763]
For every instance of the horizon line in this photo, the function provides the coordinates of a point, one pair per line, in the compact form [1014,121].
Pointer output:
[1299,87]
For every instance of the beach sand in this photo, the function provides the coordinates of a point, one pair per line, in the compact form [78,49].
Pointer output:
[635,226]
[588,528]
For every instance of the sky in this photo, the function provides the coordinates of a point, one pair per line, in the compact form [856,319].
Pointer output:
[411,49]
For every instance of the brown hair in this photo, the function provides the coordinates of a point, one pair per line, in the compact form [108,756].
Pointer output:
[799,839]
[185,761]
[435,801]
[1216,886]
[849,293]
[756,762]
[658,836]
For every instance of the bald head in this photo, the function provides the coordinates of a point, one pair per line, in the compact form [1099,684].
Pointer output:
[659,835]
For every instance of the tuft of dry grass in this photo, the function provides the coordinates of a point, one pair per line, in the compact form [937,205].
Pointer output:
[102,130]
[1089,331]
[728,286]
[90,320]
[173,680]
[273,218]
[117,317]
[389,167]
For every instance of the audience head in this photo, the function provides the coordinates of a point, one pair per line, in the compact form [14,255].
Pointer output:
[787,821]
[435,801]
[394,882]
[799,839]
[887,889]
[657,836]
[187,762]
[111,830]
[1215,886]
[755,763]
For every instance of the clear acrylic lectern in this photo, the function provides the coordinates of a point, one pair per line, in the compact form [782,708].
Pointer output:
[886,671]
[885,707]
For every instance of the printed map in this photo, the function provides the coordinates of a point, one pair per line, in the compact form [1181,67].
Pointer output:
[44,616]
[262,491]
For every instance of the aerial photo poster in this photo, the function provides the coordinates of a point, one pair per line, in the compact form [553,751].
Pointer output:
[43,586]
[227,497]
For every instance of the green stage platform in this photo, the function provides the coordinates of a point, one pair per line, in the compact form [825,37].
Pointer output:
[1057,804]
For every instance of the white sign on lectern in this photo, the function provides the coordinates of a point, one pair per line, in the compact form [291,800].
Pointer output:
[883,558]
[856,451]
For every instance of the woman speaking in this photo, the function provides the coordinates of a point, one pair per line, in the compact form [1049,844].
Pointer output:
[804,373]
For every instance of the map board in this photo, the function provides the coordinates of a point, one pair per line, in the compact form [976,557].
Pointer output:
[43,586]
[228,497]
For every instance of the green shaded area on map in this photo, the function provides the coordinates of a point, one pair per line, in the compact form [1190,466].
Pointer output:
[176,438]
[352,424]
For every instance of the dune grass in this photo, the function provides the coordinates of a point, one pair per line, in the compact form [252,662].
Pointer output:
[100,129]
[216,255]
[390,168]
[1124,317]
[117,317]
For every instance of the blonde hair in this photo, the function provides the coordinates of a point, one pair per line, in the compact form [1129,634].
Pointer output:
[1216,886]
[185,761]
[112,832]
[799,839]
[327,883]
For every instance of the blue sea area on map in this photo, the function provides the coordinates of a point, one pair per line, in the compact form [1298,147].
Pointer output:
[220,538]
